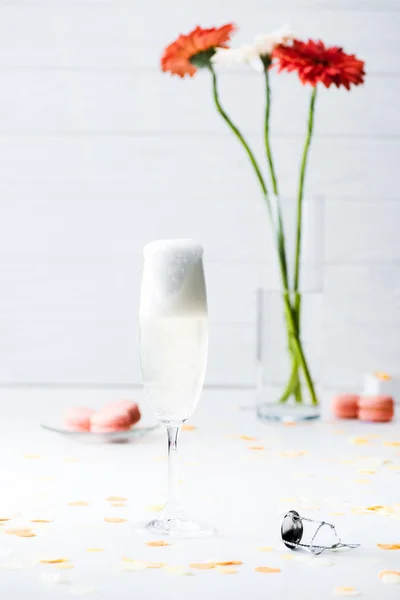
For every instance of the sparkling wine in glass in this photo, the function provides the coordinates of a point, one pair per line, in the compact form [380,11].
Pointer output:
[173,326]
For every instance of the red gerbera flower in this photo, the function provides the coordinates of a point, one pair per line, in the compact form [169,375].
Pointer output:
[316,63]
[194,49]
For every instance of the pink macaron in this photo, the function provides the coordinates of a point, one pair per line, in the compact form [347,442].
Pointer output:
[110,419]
[77,418]
[345,406]
[126,405]
[379,409]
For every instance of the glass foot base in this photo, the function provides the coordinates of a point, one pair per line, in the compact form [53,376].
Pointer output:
[287,413]
[177,527]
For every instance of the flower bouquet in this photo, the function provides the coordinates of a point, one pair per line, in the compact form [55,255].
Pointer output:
[315,64]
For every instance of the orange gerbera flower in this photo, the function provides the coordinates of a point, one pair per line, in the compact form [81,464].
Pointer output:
[195,49]
[315,63]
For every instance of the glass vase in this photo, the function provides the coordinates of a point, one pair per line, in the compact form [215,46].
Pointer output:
[289,318]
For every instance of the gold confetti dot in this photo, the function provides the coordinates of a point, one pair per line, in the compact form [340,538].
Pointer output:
[389,576]
[346,591]
[32,456]
[27,534]
[155,565]
[187,427]
[227,570]
[256,447]
[94,549]
[267,570]
[287,556]
[367,471]
[228,563]
[53,561]
[247,438]
[337,514]
[41,521]
[363,481]
[361,511]
[202,566]
[19,531]
[382,375]
[157,543]
[155,507]
[395,444]
[389,546]
[4,519]
[64,566]
[118,504]
[114,520]
[116,499]
[265,549]
[78,503]
[360,441]
[177,570]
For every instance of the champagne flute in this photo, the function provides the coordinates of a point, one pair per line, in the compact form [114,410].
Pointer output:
[173,327]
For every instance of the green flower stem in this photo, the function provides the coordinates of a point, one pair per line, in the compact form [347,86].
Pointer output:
[298,395]
[301,188]
[257,170]
[293,384]
[240,138]
[266,133]
[279,225]
[299,228]
[298,349]
[297,296]
[297,307]
[291,319]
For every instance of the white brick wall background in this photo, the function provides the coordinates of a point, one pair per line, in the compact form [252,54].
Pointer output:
[100,153]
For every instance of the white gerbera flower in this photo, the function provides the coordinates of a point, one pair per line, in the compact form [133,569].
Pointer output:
[266,43]
[227,57]
[254,54]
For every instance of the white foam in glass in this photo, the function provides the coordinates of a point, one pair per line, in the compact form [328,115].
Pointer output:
[173,279]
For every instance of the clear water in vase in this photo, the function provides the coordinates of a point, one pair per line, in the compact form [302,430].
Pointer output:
[283,392]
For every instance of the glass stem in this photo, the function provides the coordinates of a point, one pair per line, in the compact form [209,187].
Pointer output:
[173,491]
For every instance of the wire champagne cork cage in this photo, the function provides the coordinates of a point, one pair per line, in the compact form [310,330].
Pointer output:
[293,528]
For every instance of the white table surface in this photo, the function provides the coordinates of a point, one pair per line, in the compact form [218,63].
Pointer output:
[243,492]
